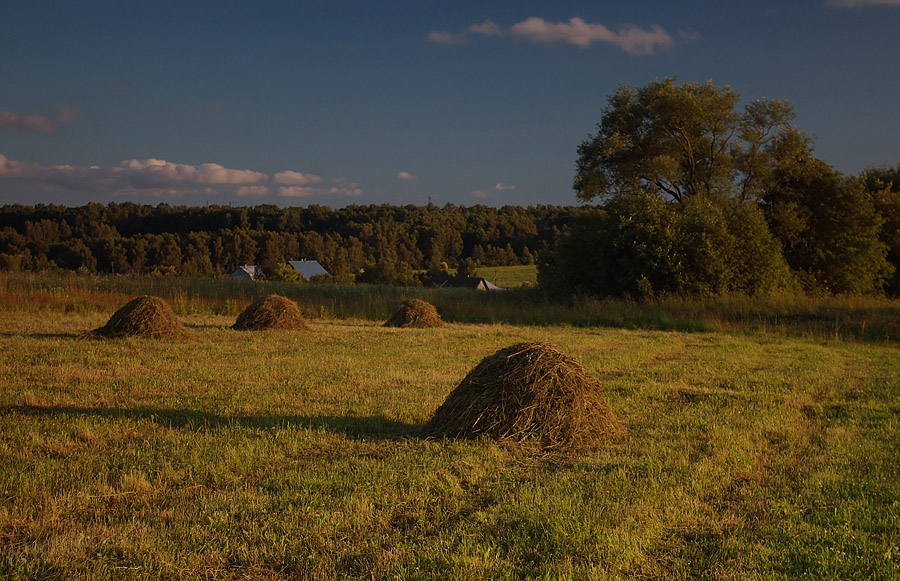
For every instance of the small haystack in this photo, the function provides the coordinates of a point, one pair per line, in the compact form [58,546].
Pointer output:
[145,316]
[271,312]
[528,392]
[415,313]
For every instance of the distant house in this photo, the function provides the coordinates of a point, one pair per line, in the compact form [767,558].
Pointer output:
[247,273]
[308,268]
[472,282]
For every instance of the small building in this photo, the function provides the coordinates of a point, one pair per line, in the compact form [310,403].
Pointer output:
[247,272]
[472,282]
[308,268]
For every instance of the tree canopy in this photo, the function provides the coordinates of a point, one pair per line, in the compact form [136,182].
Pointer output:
[681,140]
[377,243]
[702,196]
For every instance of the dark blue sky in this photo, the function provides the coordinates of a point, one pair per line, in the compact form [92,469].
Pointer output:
[356,102]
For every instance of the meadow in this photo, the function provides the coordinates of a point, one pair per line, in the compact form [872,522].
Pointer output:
[761,440]
[509,276]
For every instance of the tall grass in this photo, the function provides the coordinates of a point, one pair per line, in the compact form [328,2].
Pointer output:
[866,319]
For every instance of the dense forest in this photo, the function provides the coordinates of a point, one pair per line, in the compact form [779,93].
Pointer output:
[377,243]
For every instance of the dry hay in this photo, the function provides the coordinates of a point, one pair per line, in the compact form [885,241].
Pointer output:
[415,313]
[528,393]
[145,316]
[271,312]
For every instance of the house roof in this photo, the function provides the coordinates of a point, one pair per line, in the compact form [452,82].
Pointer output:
[473,282]
[252,271]
[308,268]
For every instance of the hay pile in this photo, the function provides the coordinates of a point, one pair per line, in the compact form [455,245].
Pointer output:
[271,312]
[145,316]
[528,393]
[415,313]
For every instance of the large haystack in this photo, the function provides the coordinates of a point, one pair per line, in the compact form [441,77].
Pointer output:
[145,316]
[415,313]
[529,393]
[271,312]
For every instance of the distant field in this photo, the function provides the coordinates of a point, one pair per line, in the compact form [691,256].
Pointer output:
[509,276]
[277,455]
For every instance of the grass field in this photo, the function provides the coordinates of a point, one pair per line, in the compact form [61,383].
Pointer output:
[858,319]
[278,455]
[509,276]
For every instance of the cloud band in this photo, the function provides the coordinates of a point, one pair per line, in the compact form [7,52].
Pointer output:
[161,178]
[576,32]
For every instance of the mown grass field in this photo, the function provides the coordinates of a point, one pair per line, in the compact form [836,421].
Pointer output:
[281,455]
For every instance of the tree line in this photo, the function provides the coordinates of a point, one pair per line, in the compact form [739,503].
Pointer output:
[376,243]
[698,195]
[691,193]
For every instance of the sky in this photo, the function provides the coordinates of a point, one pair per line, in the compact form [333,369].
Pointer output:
[341,102]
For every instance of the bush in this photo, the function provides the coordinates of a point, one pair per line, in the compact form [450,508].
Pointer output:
[640,245]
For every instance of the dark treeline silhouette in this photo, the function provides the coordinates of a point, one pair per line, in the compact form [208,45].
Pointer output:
[376,243]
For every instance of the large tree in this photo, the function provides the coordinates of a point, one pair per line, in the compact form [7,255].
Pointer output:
[681,140]
[678,167]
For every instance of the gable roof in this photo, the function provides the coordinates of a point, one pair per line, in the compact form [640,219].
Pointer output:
[308,268]
[247,272]
[472,282]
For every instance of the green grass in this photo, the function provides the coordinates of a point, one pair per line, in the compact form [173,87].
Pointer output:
[281,455]
[509,276]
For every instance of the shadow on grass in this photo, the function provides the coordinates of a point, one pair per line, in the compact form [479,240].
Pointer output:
[363,428]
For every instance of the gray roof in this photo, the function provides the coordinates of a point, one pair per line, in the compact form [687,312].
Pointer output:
[308,268]
[247,271]
[473,282]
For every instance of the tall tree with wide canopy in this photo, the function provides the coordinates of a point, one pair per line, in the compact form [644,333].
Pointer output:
[681,140]
[677,165]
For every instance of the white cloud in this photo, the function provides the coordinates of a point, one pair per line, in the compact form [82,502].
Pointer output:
[576,32]
[158,177]
[491,192]
[11,168]
[151,173]
[11,121]
[486,28]
[154,177]
[295,178]
[406,176]
[443,37]
[861,3]
[253,190]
